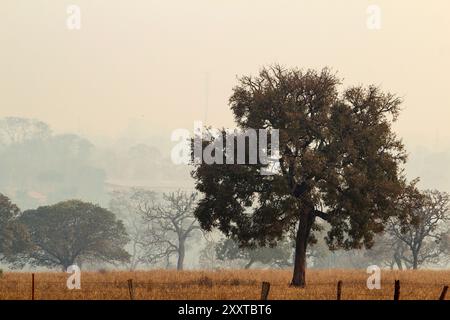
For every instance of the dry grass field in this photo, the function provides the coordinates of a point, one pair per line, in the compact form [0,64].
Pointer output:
[225,284]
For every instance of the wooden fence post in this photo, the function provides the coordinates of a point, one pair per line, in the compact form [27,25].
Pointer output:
[32,286]
[339,290]
[130,288]
[265,290]
[397,290]
[443,293]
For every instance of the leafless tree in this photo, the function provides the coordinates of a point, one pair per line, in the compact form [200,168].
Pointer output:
[172,222]
[388,251]
[145,247]
[424,234]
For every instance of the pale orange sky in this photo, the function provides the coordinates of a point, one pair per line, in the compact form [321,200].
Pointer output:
[144,64]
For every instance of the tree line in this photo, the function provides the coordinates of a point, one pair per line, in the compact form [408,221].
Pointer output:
[142,229]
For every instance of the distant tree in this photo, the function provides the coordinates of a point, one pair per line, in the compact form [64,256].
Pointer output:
[74,231]
[321,257]
[388,251]
[423,231]
[279,256]
[14,130]
[339,161]
[38,167]
[208,257]
[172,222]
[14,238]
[145,246]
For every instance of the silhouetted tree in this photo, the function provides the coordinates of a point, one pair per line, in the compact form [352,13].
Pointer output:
[339,161]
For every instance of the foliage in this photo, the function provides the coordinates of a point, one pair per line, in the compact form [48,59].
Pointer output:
[279,256]
[74,231]
[14,238]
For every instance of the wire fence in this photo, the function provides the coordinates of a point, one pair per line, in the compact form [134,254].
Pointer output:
[227,289]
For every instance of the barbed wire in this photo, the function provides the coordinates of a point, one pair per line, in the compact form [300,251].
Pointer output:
[57,285]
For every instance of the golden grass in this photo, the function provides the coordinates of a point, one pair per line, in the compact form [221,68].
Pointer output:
[224,284]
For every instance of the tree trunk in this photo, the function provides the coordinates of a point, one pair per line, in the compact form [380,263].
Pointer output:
[301,242]
[398,261]
[66,263]
[168,262]
[66,266]
[415,261]
[249,264]
[181,254]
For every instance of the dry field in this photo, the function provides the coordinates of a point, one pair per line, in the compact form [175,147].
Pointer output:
[230,284]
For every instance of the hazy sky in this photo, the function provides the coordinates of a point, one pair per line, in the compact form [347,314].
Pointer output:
[142,66]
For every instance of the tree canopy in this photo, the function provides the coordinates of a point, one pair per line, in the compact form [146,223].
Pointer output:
[13,236]
[74,231]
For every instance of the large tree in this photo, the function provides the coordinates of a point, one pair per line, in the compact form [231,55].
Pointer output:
[339,161]
[74,231]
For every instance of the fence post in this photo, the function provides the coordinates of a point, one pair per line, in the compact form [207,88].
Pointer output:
[339,290]
[130,288]
[265,290]
[397,290]
[443,293]
[32,286]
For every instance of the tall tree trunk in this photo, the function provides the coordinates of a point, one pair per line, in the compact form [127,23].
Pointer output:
[301,243]
[181,254]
